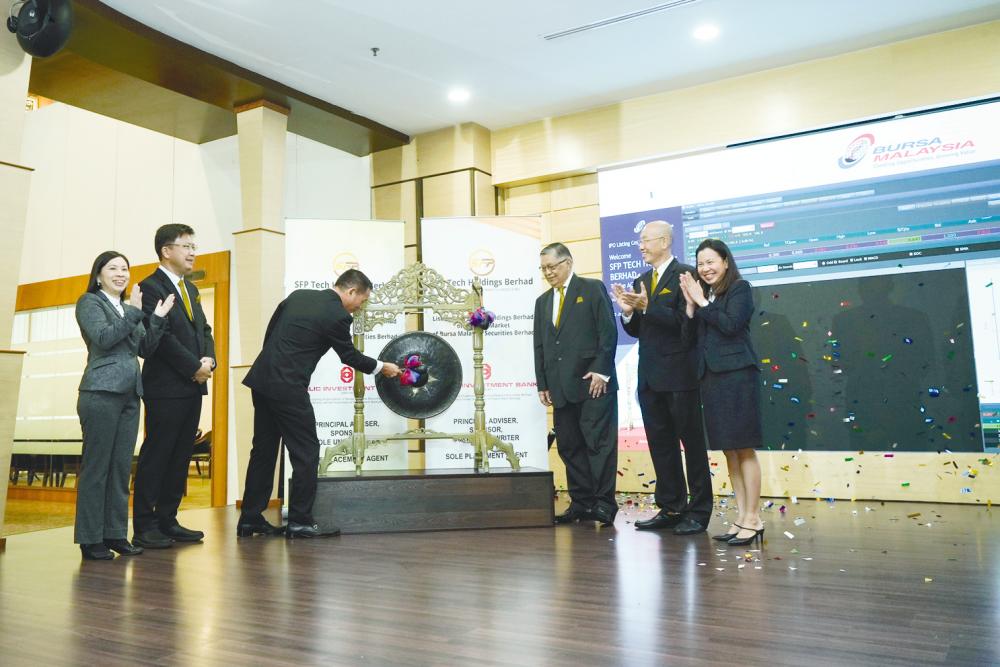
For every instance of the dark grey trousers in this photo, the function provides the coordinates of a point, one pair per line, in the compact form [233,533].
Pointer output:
[110,425]
[587,441]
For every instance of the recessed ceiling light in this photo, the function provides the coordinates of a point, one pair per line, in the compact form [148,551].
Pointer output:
[706,32]
[458,95]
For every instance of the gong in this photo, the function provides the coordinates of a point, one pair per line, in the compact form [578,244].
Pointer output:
[439,372]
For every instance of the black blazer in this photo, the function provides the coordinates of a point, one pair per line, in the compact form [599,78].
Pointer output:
[169,372]
[303,328]
[584,342]
[666,357]
[724,331]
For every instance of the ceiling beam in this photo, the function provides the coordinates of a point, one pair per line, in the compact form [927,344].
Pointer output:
[115,66]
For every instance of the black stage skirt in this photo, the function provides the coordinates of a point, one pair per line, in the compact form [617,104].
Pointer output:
[731,403]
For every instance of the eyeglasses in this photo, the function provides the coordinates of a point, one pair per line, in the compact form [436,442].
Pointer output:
[190,247]
[643,241]
[552,267]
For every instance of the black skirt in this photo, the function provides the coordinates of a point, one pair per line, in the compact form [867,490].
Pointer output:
[731,403]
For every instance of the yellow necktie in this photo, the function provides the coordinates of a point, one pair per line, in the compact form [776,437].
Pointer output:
[652,288]
[562,291]
[186,298]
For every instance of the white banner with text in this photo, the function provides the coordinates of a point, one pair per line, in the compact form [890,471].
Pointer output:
[316,253]
[503,253]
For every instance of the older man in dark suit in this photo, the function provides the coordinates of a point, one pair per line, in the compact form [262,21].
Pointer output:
[174,381]
[575,337]
[654,312]
[304,327]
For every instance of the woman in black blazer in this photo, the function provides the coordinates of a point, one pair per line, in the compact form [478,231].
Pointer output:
[108,405]
[721,303]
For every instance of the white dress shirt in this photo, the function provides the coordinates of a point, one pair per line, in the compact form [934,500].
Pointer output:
[660,270]
[176,280]
[555,297]
[555,311]
[115,303]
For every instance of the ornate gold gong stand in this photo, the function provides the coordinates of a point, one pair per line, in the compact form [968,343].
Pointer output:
[416,289]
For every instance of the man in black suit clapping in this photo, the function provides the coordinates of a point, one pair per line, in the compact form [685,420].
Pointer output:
[575,338]
[303,328]
[654,312]
[174,379]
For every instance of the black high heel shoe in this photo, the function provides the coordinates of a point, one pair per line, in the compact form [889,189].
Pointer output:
[725,537]
[758,534]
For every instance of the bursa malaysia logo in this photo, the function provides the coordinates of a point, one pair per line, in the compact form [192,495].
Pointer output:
[856,151]
[918,148]
[864,145]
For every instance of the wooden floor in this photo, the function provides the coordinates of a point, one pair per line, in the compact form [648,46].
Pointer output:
[892,584]
[25,515]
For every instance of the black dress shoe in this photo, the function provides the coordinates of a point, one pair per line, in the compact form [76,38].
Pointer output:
[124,547]
[96,552]
[297,530]
[689,527]
[603,516]
[659,522]
[571,515]
[259,527]
[179,533]
[152,539]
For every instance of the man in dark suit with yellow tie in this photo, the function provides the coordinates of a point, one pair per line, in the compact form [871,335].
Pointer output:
[668,386]
[304,327]
[575,338]
[174,379]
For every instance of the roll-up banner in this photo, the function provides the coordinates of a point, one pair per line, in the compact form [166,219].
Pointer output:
[503,253]
[316,253]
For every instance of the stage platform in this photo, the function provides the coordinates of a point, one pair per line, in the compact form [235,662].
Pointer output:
[397,501]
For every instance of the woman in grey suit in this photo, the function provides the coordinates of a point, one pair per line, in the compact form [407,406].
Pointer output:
[109,403]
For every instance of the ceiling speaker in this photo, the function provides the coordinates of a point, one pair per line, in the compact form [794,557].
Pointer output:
[42,26]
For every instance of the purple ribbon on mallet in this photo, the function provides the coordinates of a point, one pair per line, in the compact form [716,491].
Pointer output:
[481,318]
[415,374]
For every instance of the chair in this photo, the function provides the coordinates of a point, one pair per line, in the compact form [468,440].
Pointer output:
[202,452]
[19,462]
[31,464]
